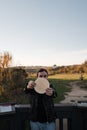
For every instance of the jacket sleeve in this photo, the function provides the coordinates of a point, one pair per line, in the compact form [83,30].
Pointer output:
[31,91]
[54,95]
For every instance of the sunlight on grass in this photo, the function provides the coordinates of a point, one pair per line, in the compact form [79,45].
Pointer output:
[67,76]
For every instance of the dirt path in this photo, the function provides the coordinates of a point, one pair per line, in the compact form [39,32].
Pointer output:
[76,94]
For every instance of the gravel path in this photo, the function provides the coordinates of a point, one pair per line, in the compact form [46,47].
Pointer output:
[76,93]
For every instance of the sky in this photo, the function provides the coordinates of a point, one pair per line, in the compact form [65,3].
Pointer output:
[44,32]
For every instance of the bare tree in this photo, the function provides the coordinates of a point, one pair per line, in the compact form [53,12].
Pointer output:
[5,61]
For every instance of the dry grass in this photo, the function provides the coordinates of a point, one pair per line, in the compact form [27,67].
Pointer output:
[68,76]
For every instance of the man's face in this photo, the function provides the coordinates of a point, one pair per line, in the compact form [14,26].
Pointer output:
[43,75]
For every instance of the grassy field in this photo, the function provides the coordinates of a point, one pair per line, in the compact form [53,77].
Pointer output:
[62,86]
[61,82]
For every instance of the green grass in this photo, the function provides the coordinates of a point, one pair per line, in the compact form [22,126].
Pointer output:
[61,86]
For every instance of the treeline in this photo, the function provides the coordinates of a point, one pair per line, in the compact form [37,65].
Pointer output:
[82,68]
[71,69]
[12,80]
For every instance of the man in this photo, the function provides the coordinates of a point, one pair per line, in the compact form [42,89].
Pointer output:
[42,114]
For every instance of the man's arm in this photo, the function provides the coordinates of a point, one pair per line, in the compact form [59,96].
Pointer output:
[54,91]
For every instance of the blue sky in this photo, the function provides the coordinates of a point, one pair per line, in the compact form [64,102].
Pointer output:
[44,32]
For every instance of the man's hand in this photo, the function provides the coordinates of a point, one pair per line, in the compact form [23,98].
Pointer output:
[31,84]
[49,91]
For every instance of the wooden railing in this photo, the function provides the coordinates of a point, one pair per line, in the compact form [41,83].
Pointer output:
[68,117]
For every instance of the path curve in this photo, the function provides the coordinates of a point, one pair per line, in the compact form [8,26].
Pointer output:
[76,94]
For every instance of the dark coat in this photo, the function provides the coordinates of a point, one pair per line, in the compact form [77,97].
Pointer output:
[47,102]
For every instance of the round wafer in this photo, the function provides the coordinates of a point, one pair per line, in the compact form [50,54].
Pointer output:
[41,85]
